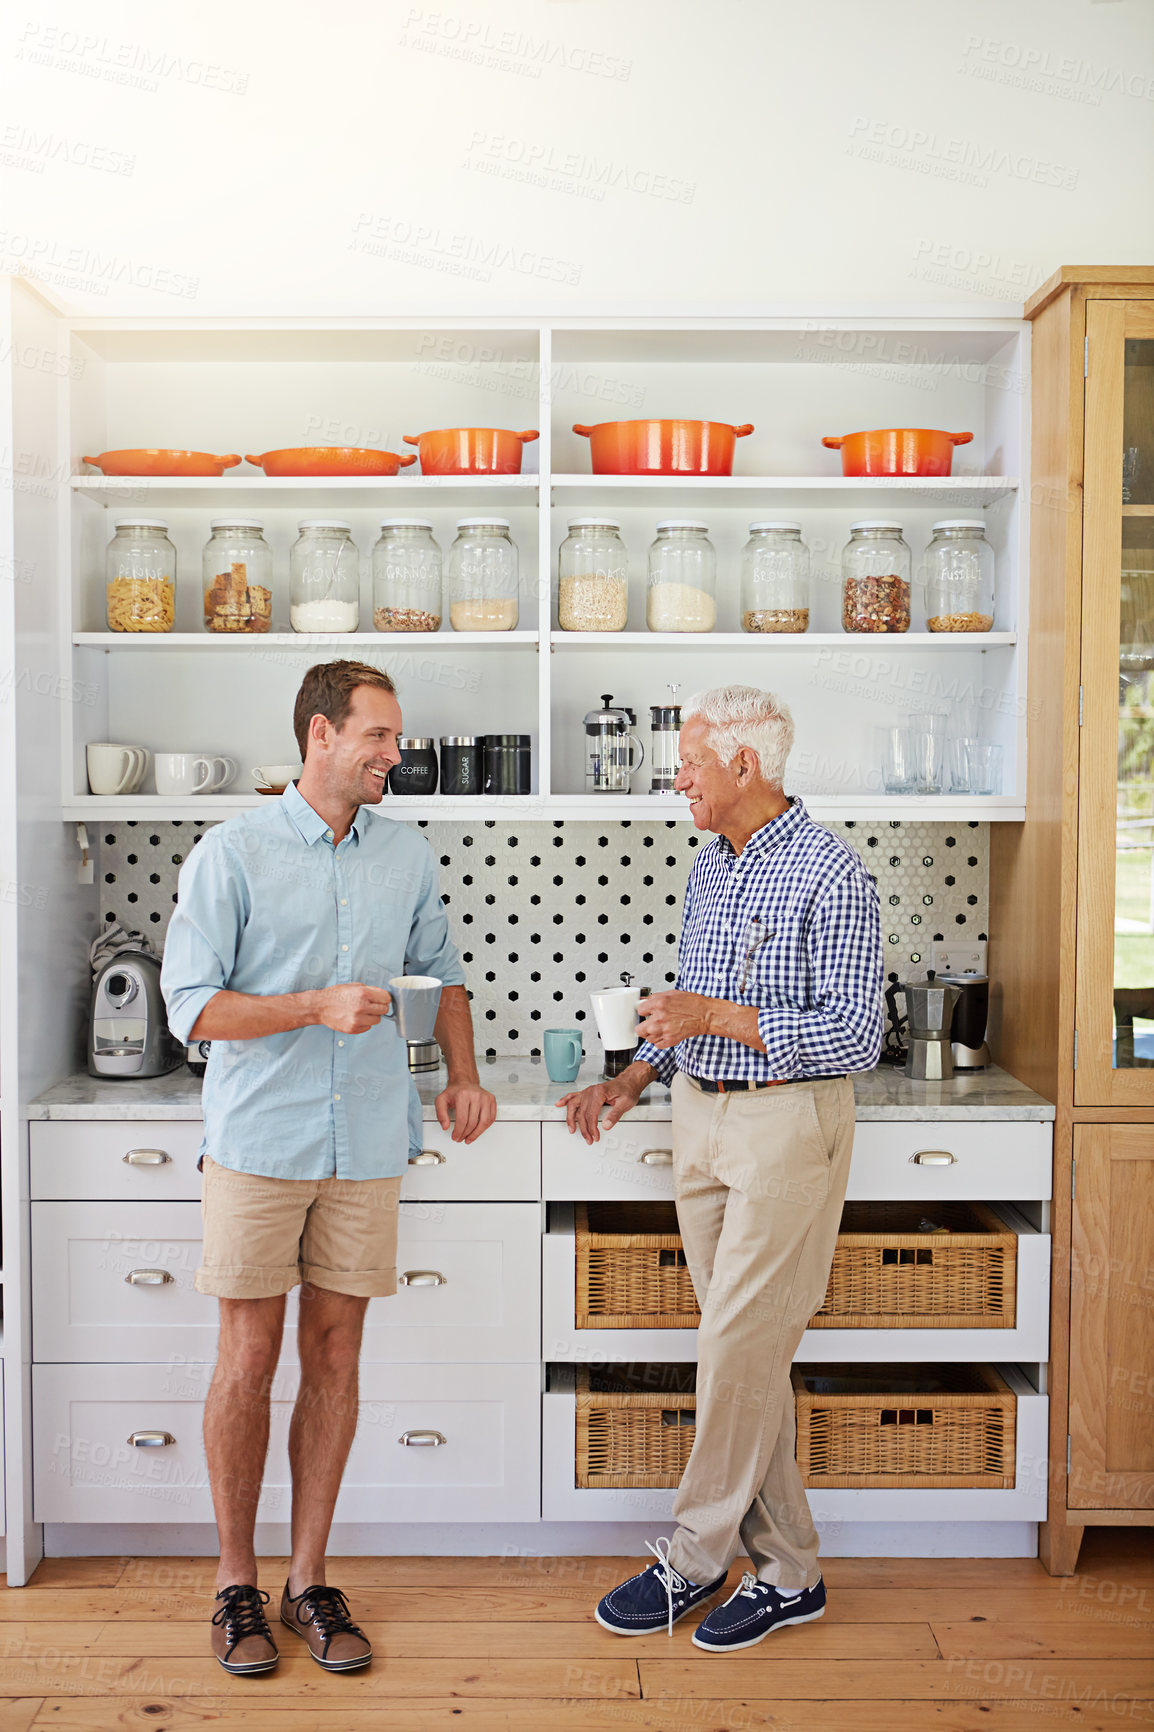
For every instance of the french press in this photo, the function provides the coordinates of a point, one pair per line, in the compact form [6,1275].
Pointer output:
[612,751]
[664,761]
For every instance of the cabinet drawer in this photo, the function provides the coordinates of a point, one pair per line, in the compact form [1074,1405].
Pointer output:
[973,1160]
[635,1161]
[87,1468]
[87,1309]
[503,1165]
[86,1158]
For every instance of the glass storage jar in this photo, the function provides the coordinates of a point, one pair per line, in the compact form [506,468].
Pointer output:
[140,576]
[592,576]
[959,572]
[875,569]
[681,593]
[406,576]
[482,576]
[324,577]
[775,579]
[237,570]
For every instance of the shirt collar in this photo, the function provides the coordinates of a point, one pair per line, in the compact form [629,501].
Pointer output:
[771,835]
[308,823]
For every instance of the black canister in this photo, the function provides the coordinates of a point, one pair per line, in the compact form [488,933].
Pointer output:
[462,763]
[507,763]
[417,771]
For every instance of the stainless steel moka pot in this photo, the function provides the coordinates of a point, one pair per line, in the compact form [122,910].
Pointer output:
[926,1025]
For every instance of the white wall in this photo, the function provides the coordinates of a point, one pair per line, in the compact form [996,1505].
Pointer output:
[391,155]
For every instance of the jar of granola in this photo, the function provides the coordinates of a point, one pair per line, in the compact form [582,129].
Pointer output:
[959,571]
[875,587]
[406,576]
[140,576]
[592,576]
[775,579]
[237,568]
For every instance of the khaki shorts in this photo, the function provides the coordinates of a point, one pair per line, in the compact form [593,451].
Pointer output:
[262,1236]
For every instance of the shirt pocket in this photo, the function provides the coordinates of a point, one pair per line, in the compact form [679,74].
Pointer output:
[385,933]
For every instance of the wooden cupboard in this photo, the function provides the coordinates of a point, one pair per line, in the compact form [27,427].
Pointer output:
[1072,887]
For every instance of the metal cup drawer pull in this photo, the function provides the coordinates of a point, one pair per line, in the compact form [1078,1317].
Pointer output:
[150,1439]
[657,1158]
[933,1158]
[422,1439]
[427,1158]
[423,1278]
[146,1157]
[148,1277]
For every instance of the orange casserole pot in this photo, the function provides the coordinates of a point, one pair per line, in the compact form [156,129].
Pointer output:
[160,462]
[662,447]
[897,451]
[330,460]
[471,450]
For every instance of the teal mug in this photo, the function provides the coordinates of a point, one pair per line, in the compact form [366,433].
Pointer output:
[563,1053]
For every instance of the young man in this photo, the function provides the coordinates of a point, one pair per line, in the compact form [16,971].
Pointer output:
[291,921]
[777,1000]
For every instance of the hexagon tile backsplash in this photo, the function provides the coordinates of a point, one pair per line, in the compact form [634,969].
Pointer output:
[544,912]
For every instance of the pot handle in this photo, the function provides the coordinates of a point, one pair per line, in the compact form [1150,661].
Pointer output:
[527,438]
[95,461]
[835,444]
[257,462]
[585,432]
[229,462]
[403,462]
[742,431]
[959,438]
[412,438]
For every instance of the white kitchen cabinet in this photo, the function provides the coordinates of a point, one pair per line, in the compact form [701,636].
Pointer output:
[114,1283]
[123,1444]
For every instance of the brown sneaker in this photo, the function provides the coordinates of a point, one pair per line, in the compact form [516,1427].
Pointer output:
[241,1638]
[321,1616]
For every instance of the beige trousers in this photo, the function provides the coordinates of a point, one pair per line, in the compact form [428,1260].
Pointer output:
[760,1178]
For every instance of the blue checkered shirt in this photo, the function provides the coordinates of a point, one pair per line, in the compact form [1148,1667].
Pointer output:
[813,967]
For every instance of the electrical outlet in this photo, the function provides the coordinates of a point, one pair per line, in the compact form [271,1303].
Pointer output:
[968,957]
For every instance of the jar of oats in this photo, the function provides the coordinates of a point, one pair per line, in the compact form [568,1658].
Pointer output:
[140,576]
[959,572]
[775,578]
[875,578]
[592,576]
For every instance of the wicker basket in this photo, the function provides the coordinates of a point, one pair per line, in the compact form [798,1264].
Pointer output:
[891,1269]
[877,1425]
[635,1427]
[631,1270]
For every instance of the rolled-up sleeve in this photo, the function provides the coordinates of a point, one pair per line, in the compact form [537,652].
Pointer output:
[429,949]
[843,1029]
[203,935]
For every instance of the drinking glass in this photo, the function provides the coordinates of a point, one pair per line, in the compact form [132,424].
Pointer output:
[898,762]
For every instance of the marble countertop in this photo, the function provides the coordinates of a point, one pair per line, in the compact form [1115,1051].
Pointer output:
[523,1091]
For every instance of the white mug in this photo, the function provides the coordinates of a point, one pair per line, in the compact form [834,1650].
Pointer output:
[182,773]
[616,1012]
[115,769]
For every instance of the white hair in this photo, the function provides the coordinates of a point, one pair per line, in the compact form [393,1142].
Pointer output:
[739,716]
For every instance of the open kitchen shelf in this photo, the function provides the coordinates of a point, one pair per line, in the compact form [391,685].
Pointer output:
[252,385]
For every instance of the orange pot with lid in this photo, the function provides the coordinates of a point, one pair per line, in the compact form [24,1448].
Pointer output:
[897,451]
[302,460]
[663,447]
[161,461]
[471,450]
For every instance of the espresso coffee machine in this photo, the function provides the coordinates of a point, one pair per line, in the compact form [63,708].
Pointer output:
[926,1026]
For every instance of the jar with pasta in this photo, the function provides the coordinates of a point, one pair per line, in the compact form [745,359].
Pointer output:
[775,579]
[959,570]
[140,576]
[875,586]
[237,572]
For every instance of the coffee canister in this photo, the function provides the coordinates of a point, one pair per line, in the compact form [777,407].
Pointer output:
[417,771]
[462,763]
[507,763]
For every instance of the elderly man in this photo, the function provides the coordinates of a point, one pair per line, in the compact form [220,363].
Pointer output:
[778,998]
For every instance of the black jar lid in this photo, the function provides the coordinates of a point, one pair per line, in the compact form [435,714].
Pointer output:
[496,741]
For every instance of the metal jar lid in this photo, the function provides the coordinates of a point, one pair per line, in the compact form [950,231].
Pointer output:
[416,743]
[462,739]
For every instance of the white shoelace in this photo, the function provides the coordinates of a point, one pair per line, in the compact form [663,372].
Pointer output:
[667,1575]
[749,1587]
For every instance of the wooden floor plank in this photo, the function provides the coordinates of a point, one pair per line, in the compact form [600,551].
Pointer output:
[17,1715]
[283,1714]
[77,1573]
[1017,1641]
[99,1675]
[169,1640]
[787,1679]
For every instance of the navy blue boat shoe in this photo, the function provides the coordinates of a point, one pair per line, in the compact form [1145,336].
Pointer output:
[753,1611]
[653,1600]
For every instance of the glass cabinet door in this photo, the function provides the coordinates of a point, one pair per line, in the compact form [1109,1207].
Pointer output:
[1114,977]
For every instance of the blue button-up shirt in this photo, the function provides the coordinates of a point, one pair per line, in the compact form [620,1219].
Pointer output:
[269,904]
[792,925]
